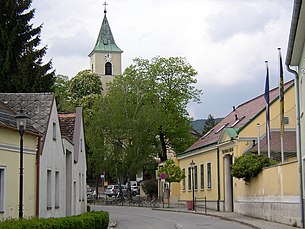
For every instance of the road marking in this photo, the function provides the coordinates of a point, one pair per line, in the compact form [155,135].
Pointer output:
[179,226]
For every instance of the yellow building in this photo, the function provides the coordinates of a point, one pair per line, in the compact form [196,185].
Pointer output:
[9,167]
[239,133]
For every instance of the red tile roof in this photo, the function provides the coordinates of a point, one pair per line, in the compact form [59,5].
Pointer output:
[244,113]
[67,123]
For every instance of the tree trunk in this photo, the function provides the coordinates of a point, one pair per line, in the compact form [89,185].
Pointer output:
[163,156]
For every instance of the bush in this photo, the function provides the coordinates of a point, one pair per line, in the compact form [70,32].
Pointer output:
[97,220]
[250,165]
[150,187]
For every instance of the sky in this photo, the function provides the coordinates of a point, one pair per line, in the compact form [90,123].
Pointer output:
[226,41]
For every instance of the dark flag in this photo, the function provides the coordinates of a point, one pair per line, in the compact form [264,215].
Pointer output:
[267,99]
[281,95]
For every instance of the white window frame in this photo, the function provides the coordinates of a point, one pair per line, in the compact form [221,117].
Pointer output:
[202,176]
[2,189]
[209,175]
[54,131]
[183,180]
[49,189]
[195,177]
[189,180]
[80,187]
[56,189]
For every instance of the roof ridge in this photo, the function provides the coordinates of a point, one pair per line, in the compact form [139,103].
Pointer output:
[270,91]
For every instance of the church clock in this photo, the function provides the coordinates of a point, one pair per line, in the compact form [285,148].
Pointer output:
[108,57]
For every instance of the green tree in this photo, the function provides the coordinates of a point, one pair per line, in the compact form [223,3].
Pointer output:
[85,83]
[208,124]
[173,172]
[171,82]
[62,94]
[21,64]
[121,129]
[137,121]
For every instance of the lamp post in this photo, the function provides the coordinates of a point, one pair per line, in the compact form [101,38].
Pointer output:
[192,164]
[21,125]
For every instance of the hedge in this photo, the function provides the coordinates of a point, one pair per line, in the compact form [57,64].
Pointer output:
[95,220]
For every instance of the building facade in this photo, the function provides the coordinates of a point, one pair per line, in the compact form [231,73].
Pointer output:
[238,133]
[10,164]
[60,168]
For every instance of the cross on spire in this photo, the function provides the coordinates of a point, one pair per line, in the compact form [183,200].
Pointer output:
[105,4]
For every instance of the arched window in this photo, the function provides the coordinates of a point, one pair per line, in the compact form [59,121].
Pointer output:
[108,68]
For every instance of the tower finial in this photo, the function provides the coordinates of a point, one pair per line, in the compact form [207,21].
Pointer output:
[105,10]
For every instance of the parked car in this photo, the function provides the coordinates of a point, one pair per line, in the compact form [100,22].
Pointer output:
[135,190]
[113,189]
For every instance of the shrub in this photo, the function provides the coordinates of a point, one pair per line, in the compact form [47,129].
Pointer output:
[150,187]
[249,165]
[97,220]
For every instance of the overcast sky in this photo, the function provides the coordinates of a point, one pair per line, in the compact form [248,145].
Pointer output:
[226,41]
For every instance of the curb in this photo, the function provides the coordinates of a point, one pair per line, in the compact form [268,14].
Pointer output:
[207,214]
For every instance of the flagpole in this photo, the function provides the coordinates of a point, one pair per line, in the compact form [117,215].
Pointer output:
[281,97]
[267,110]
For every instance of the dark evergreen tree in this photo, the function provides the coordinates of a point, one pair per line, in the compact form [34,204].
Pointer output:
[21,64]
[208,124]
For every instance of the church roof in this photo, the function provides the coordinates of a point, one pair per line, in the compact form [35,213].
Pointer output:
[105,41]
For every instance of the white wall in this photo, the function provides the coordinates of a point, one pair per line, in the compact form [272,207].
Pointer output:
[53,159]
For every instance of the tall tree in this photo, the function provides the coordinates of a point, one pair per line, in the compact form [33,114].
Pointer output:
[208,124]
[172,81]
[62,93]
[21,63]
[140,118]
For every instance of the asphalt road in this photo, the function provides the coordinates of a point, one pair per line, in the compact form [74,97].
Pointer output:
[146,218]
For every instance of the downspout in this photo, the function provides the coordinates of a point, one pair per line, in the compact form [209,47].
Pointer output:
[298,140]
[218,182]
[38,175]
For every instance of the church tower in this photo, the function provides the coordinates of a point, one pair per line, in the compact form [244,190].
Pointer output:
[105,58]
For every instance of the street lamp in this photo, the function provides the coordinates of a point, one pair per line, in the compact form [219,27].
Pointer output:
[192,164]
[21,125]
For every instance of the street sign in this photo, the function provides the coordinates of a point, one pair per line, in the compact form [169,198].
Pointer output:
[162,176]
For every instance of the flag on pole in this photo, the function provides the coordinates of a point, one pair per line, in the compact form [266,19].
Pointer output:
[267,99]
[281,92]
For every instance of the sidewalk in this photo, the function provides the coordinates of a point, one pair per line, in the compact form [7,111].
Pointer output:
[232,216]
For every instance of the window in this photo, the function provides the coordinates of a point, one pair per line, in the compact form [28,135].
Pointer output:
[108,68]
[81,145]
[220,129]
[209,175]
[2,200]
[201,176]
[83,187]
[80,187]
[238,120]
[49,189]
[183,180]
[56,190]
[54,130]
[189,180]
[195,178]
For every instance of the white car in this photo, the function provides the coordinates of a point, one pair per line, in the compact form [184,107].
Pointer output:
[134,188]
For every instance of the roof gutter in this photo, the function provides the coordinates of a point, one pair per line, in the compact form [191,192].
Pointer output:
[298,141]
[293,29]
